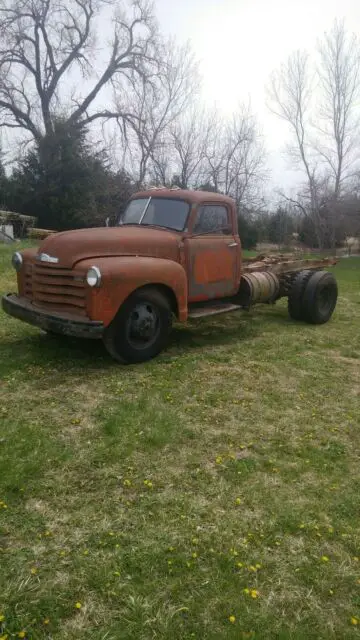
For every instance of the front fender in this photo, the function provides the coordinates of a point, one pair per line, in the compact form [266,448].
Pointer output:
[121,276]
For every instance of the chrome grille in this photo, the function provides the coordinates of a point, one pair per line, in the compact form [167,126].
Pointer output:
[58,288]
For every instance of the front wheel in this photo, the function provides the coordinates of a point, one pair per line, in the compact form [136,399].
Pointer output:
[141,327]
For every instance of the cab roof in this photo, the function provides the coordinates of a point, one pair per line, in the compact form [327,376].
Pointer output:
[194,197]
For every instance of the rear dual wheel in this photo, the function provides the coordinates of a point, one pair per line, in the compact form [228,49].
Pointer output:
[313,297]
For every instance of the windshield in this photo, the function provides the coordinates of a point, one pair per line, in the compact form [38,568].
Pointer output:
[159,212]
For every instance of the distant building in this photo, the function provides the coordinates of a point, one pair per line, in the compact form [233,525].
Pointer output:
[6,233]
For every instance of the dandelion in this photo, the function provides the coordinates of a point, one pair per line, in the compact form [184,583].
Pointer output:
[301,526]
[86,552]
[254,593]
[4,637]
[127,482]
[171,549]
[238,501]
[2,617]
[239,565]
[218,460]
[195,541]
[246,590]
[78,605]
[324,559]
[354,620]
[46,621]
[194,555]
[252,568]
[232,619]
[33,571]
[22,634]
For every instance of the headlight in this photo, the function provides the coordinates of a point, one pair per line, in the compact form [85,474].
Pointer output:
[17,261]
[93,277]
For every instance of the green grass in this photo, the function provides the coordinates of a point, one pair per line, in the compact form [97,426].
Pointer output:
[157,495]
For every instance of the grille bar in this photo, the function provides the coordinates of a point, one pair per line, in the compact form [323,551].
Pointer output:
[58,288]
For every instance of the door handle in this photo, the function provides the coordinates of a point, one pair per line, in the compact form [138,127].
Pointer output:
[233,244]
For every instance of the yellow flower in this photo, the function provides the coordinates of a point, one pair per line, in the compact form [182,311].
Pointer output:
[324,559]
[301,526]
[354,620]
[238,501]
[195,541]
[78,605]
[46,621]
[247,591]
[194,555]
[2,617]
[239,564]
[258,566]
[33,570]
[232,619]
[111,533]
[4,637]
[127,483]
[86,552]
[331,592]
[22,634]
[254,593]
[252,568]
[218,460]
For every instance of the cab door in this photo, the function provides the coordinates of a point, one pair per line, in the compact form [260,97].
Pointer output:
[213,254]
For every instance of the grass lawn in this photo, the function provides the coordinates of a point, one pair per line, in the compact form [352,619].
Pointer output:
[211,493]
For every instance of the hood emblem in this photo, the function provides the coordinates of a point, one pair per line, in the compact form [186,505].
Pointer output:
[44,257]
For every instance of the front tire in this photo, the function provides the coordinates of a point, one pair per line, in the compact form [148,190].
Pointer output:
[141,327]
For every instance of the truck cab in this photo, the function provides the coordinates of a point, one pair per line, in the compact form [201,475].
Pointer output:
[172,253]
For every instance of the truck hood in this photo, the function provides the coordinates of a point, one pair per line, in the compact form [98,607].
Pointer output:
[69,247]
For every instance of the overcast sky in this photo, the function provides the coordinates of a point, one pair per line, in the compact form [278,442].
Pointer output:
[239,42]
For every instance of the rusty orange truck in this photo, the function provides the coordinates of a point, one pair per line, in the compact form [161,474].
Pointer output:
[173,254]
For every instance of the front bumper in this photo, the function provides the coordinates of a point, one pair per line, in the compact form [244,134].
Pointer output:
[65,324]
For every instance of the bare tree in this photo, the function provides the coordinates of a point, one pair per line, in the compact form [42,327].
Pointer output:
[319,104]
[155,104]
[235,157]
[339,73]
[46,44]
[179,157]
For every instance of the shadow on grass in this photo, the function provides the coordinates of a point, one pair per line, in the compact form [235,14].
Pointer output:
[61,352]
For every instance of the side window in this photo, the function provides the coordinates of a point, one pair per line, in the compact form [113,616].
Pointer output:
[211,218]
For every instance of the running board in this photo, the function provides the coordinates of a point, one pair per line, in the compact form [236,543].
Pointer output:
[213,310]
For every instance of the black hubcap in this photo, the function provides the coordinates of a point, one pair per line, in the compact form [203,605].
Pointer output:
[143,325]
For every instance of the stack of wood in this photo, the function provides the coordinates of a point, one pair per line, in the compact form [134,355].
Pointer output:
[39,234]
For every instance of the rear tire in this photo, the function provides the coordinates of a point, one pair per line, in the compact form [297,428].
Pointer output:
[320,297]
[295,299]
[141,327]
